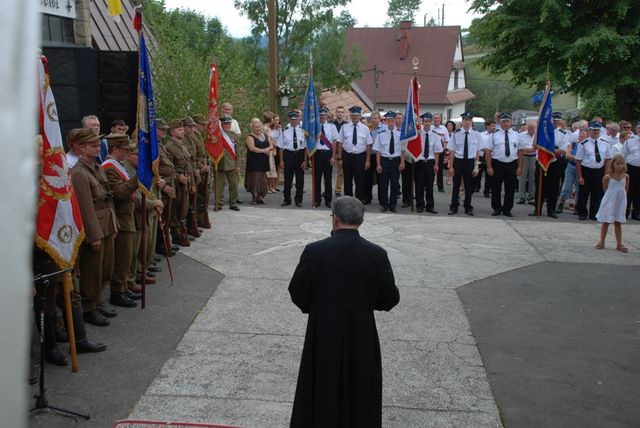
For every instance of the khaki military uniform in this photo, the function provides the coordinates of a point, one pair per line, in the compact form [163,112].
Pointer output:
[99,219]
[202,201]
[167,172]
[180,157]
[227,170]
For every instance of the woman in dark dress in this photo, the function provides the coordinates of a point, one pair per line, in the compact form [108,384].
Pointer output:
[258,148]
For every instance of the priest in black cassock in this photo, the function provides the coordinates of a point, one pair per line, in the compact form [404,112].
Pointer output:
[339,282]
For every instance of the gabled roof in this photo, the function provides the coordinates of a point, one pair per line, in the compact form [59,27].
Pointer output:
[434,47]
[111,34]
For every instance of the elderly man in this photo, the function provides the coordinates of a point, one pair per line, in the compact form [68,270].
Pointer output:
[526,182]
[92,122]
[442,131]
[341,350]
[354,152]
[228,166]
[338,122]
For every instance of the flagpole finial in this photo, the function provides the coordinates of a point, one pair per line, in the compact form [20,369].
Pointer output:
[415,62]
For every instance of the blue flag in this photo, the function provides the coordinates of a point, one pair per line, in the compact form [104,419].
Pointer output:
[146,123]
[545,136]
[310,116]
[408,130]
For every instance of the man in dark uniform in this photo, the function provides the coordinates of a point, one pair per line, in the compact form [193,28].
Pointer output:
[354,152]
[324,159]
[592,160]
[167,172]
[189,141]
[389,163]
[293,158]
[341,349]
[202,204]
[464,163]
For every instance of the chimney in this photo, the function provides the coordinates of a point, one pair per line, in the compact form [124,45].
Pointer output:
[405,26]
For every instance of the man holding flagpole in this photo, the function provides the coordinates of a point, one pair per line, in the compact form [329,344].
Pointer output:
[324,159]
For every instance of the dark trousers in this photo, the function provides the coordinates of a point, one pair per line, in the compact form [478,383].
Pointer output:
[440,175]
[353,167]
[407,183]
[293,166]
[425,177]
[550,186]
[371,177]
[390,176]
[503,173]
[324,169]
[592,190]
[562,167]
[463,169]
[633,199]
[477,180]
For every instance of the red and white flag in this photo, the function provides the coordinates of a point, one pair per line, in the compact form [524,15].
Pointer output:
[414,146]
[59,229]
[214,141]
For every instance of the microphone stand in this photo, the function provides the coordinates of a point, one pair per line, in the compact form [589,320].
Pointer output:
[42,282]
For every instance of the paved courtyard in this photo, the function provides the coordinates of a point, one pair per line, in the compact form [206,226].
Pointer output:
[237,363]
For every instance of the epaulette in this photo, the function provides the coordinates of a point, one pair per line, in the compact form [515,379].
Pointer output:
[562,131]
[460,129]
[583,141]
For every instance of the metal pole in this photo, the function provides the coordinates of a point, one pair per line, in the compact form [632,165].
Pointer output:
[273,57]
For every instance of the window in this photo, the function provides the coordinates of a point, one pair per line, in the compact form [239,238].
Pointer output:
[456,74]
[57,29]
[449,113]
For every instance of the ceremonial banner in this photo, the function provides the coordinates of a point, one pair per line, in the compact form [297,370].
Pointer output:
[410,131]
[311,117]
[545,134]
[59,229]
[214,142]
[146,117]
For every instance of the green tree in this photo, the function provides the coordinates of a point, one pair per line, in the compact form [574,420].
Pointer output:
[402,10]
[587,46]
[304,27]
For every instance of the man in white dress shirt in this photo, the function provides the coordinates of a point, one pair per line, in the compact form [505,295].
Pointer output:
[293,158]
[631,152]
[464,161]
[389,163]
[592,160]
[526,181]
[324,159]
[354,150]
[427,165]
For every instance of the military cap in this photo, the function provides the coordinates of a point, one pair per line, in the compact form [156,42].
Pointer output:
[175,123]
[323,110]
[199,119]
[355,111]
[595,125]
[390,115]
[505,116]
[161,124]
[427,116]
[187,121]
[556,115]
[86,135]
[119,140]
[467,115]
[293,115]
[71,136]
[226,119]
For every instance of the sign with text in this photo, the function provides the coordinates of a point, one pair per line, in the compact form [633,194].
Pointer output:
[63,8]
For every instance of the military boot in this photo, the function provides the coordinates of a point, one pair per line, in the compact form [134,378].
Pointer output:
[83,345]
[184,235]
[52,354]
[206,224]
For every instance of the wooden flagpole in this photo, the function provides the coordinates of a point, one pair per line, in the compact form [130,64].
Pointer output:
[67,284]
[143,247]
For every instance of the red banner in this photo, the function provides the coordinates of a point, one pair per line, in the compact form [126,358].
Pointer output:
[415,146]
[214,141]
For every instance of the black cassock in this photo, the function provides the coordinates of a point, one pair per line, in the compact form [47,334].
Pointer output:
[339,282]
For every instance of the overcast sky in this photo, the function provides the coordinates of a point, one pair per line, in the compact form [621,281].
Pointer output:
[371,13]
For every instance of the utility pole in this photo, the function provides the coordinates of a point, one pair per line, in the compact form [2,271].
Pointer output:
[273,57]
[442,25]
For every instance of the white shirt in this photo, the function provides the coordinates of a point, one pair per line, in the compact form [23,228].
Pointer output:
[456,143]
[285,141]
[631,151]
[563,139]
[485,136]
[496,144]
[616,149]
[443,132]
[363,138]
[383,144]
[235,128]
[72,159]
[435,145]
[330,132]
[525,141]
[610,140]
[229,141]
[587,153]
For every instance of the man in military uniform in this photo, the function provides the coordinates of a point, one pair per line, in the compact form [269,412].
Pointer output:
[389,163]
[95,199]
[202,205]
[179,156]
[228,167]
[293,158]
[167,172]
[464,162]
[189,142]
[354,153]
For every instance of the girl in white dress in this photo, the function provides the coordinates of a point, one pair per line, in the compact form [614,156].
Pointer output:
[614,203]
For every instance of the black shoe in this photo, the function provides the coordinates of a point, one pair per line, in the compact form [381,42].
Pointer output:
[487,195]
[157,259]
[56,356]
[154,268]
[552,215]
[338,194]
[328,204]
[582,217]
[507,214]
[175,248]
[453,211]
[392,209]
[122,300]
[239,202]
[469,212]
[521,202]
[234,208]
[150,274]
[405,205]
[384,209]
[285,204]
[432,211]
[366,202]
[299,204]
[133,296]
[87,347]
[107,312]
[419,210]
[495,213]
[96,318]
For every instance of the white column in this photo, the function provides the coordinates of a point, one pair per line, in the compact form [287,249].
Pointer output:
[19,31]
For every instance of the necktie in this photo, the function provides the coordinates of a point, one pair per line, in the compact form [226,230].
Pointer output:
[426,146]
[355,134]
[322,131]
[392,146]
[295,139]
[507,149]
[598,158]
[465,151]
